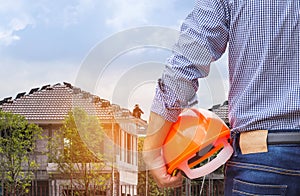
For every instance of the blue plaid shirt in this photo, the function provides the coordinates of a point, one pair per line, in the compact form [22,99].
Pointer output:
[264,62]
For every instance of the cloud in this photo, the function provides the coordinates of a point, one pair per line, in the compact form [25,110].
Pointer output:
[73,13]
[20,76]
[8,6]
[13,19]
[126,13]
[7,37]
[16,16]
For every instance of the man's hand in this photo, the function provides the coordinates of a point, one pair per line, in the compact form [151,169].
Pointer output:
[163,179]
[159,172]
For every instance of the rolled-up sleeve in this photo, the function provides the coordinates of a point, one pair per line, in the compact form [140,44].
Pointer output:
[203,39]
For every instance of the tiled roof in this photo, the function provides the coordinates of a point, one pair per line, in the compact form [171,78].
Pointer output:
[222,111]
[54,103]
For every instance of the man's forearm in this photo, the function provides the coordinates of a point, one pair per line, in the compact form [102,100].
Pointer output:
[157,131]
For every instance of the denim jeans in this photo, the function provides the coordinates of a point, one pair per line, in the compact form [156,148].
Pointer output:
[276,172]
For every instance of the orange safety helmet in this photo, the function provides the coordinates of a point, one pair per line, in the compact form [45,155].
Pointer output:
[193,138]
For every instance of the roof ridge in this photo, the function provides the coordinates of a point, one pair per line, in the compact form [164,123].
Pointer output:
[64,94]
[35,90]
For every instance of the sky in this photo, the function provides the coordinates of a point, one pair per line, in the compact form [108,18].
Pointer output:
[115,49]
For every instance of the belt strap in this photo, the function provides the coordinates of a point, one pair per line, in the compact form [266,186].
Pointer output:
[257,141]
[284,138]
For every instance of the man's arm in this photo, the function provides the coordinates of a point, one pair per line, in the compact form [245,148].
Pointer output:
[157,131]
[203,38]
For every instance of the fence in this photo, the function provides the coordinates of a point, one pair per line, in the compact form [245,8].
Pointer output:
[37,188]
[198,188]
[209,187]
[82,191]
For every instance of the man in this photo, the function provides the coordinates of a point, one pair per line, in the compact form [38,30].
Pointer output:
[137,112]
[264,95]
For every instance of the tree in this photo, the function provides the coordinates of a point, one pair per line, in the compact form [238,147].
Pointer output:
[17,144]
[76,149]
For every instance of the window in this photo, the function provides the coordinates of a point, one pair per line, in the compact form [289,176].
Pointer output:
[129,148]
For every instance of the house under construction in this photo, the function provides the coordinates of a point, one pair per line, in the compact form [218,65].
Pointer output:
[47,106]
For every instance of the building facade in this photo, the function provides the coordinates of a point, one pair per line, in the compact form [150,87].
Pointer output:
[48,106]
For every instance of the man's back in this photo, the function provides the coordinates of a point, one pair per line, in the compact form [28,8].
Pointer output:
[264,64]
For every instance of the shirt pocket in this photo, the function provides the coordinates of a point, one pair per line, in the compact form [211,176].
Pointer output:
[243,188]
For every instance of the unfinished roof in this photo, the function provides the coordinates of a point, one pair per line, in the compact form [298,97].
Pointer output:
[54,102]
[222,111]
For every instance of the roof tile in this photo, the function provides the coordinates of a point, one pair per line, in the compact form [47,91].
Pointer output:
[54,103]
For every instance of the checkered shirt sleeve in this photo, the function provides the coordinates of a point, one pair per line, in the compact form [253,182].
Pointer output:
[203,38]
